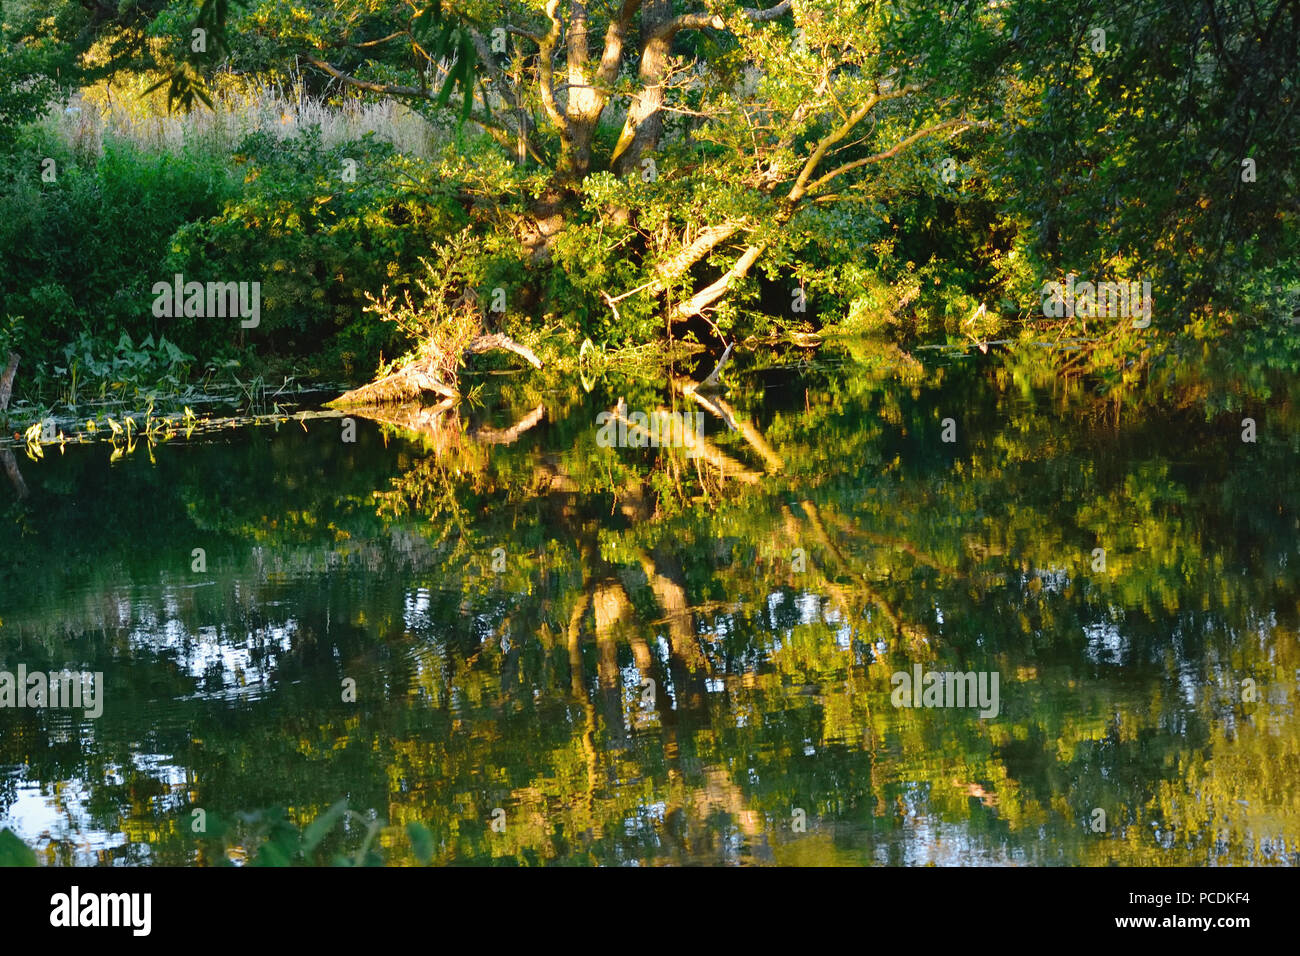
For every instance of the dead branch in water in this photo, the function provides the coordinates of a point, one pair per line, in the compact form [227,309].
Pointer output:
[422,376]
[486,343]
[716,374]
[428,420]
[410,384]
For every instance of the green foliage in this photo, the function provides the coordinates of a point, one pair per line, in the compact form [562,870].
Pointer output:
[985,150]
[317,242]
[83,252]
[1127,161]
[29,80]
[13,851]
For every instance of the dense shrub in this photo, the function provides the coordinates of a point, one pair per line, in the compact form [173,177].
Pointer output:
[82,251]
[319,228]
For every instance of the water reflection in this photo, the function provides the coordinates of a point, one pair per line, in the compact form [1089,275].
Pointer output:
[641,657]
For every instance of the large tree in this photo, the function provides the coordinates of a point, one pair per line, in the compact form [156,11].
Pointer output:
[722,122]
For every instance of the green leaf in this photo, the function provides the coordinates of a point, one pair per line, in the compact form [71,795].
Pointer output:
[273,854]
[13,851]
[444,94]
[316,830]
[421,841]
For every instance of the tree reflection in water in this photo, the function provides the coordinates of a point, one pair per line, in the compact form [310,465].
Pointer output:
[646,657]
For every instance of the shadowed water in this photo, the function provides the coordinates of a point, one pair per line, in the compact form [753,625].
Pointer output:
[671,658]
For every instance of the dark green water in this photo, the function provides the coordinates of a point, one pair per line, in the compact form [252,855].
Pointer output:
[501,696]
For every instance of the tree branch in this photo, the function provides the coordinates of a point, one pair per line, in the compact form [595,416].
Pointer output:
[612,56]
[381,40]
[546,68]
[485,343]
[485,57]
[510,91]
[708,239]
[699,21]
[801,188]
[721,286]
[526,34]
[889,153]
[387,88]
[771,13]
[7,380]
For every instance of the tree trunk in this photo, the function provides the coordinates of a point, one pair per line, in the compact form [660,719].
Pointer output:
[645,122]
[7,380]
[715,290]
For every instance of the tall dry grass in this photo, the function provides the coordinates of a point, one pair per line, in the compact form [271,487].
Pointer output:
[121,111]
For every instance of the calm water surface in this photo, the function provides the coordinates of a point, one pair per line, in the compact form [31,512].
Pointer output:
[631,656]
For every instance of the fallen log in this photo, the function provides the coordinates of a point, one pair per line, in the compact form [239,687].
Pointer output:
[421,377]
[401,387]
[428,420]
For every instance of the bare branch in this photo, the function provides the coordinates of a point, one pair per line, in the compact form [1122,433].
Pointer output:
[387,88]
[771,13]
[381,40]
[690,21]
[486,343]
[704,243]
[716,290]
[526,34]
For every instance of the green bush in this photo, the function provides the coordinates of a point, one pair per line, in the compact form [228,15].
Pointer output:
[82,252]
[317,241]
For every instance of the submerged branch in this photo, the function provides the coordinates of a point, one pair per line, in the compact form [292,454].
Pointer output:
[10,465]
[716,374]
